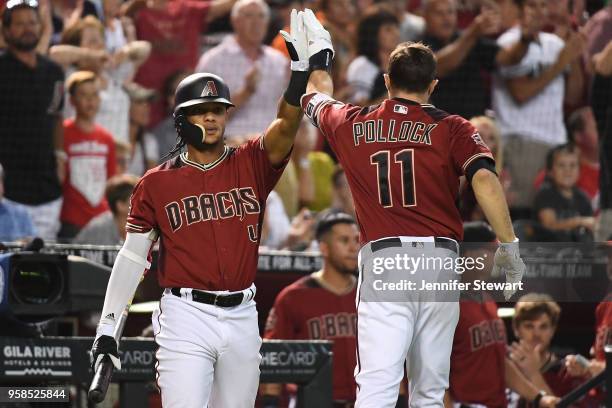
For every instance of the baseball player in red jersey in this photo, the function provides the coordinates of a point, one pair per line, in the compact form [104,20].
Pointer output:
[403,160]
[321,306]
[480,372]
[206,206]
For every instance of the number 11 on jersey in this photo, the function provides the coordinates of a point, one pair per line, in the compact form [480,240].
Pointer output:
[404,159]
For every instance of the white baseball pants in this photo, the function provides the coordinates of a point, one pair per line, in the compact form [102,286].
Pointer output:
[390,333]
[208,356]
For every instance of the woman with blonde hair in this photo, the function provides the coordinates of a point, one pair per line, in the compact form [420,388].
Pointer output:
[491,136]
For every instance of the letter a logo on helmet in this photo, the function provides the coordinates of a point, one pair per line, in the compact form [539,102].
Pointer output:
[210,89]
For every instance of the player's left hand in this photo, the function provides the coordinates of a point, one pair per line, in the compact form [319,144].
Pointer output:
[508,261]
[297,42]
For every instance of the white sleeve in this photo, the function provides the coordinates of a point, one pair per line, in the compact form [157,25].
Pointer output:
[127,271]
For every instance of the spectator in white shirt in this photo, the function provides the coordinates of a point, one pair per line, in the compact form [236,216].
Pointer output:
[256,74]
[528,97]
[143,146]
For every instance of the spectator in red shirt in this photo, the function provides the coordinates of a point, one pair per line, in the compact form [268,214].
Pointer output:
[91,156]
[173,28]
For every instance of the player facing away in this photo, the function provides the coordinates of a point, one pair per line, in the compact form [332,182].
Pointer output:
[403,160]
[206,206]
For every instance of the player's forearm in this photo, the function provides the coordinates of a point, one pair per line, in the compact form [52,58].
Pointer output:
[127,271]
[490,196]
[320,81]
[516,381]
[280,135]
[540,383]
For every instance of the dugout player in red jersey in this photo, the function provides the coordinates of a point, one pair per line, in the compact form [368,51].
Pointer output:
[321,306]
[206,206]
[480,371]
[403,160]
[534,323]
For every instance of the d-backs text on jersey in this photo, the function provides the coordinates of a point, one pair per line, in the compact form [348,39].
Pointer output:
[212,206]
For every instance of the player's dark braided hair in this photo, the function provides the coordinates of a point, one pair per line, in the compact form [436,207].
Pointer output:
[180,143]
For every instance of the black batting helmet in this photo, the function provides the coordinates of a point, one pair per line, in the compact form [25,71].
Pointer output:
[201,88]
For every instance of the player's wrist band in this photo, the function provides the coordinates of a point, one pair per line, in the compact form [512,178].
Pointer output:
[322,60]
[480,163]
[296,87]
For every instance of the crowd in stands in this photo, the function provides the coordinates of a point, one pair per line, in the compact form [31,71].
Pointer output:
[86,98]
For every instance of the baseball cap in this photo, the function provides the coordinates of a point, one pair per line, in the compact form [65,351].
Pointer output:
[138,93]
[327,219]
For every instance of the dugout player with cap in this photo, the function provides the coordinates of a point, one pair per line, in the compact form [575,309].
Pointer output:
[403,161]
[206,207]
[321,306]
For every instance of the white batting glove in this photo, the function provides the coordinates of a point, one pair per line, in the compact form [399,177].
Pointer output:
[297,42]
[508,260]
[319,38]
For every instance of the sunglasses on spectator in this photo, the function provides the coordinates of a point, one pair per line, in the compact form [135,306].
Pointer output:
[17,3]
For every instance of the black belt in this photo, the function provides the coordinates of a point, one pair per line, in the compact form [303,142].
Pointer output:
[396,242]
[211,299]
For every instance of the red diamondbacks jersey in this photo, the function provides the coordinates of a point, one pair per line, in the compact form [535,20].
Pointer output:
[402,160]
[208,217]
[603,317]
[306,310]
[478,357]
